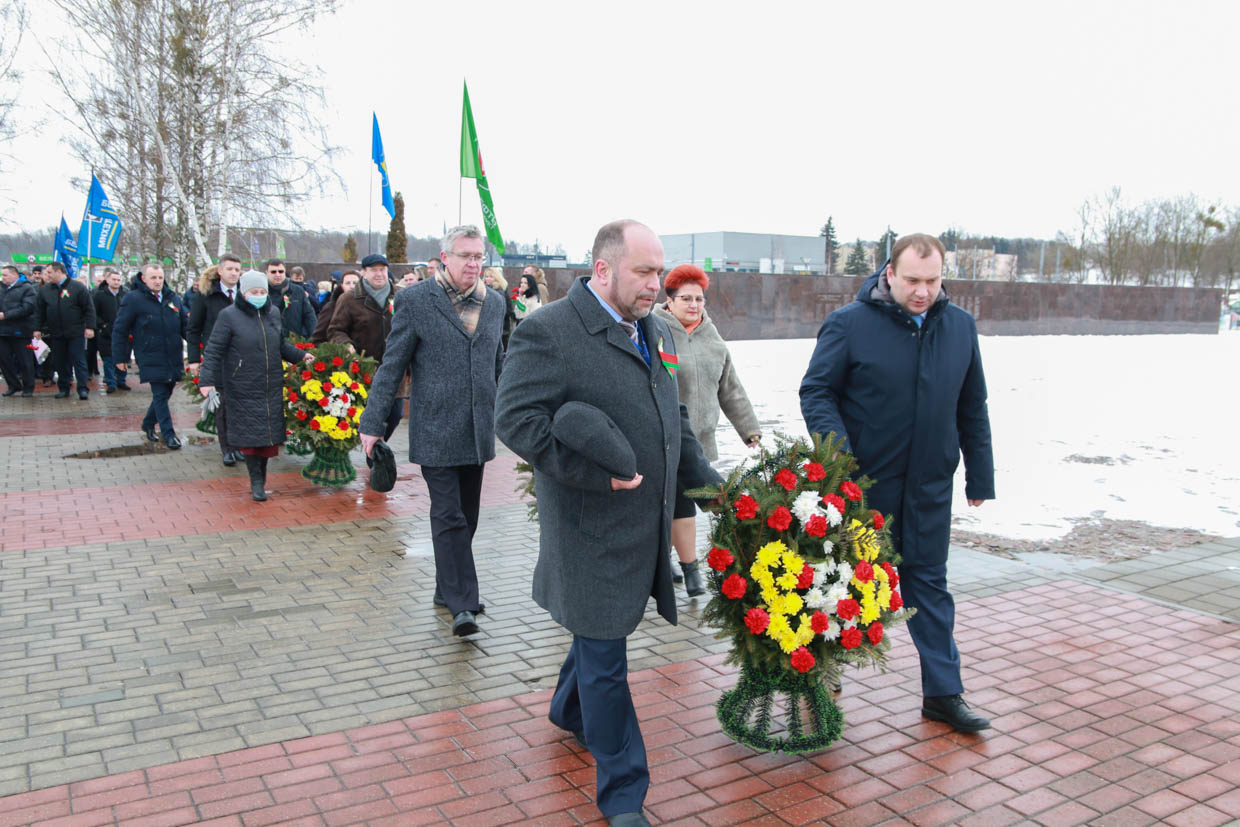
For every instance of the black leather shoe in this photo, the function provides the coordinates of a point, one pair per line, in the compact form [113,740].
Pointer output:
[27,394]
[229,459]
[439,601]
[953,711]
[83,395]
[464,624]
[10,392]
[693,579]
[62,394]
[150,434]
[107,391]
[578,735]
[628,820]
[123,388]
[172,442]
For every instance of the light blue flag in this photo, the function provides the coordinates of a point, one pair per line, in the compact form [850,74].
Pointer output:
[64,250]
[101,228]
[376,155]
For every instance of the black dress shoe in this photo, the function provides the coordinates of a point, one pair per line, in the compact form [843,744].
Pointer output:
[11,392]
[229,459]
[439,601]
[628,820]
[27,394]
[62,394]
[123,388]
[953,711]
[109,390]
[150,434]
[172,442]
[464,624]
[83,395]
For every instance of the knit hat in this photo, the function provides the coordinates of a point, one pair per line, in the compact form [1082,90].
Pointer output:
[251,279]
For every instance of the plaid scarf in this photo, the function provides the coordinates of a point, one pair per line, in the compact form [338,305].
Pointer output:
[468,304]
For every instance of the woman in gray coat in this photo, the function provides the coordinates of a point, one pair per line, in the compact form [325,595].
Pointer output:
[708,384]
[244,357]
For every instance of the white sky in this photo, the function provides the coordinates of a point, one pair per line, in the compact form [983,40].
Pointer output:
[999,118]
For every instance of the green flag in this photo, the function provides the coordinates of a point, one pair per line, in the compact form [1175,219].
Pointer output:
[471,167]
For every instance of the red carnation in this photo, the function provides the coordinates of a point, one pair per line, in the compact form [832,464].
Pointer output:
[353,386]
[292,396]
[780,519]
[891,574]
[850,638]
[850,489]
[195,380]
[344,397]
[734,587]
[805,579]
[327,387]
[875,633]
[786,478]
[746,507]
[814,472]
[817,526]
[848,608]
[819,622]
[835,500]
[757,621]
[305,375]
[314,425]
[878,520]
[897,602]
[342,425]
[719,559]
[323,403]
[354,367]
[863,571]
[337,361]
[320,366]
[365,378]
[301,415]
[351,412]
[802,660]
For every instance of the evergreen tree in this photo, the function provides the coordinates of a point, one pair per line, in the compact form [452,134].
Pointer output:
[831,245]
[349,254]
[396,240]
[858,263]
[885,242]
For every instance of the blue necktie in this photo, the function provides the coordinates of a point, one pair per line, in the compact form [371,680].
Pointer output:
[635,335]
[920,320]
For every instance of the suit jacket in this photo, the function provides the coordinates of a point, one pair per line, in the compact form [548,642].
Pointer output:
[602,553]
[452,405]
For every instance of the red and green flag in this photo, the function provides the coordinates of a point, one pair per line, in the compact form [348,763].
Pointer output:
[471,167]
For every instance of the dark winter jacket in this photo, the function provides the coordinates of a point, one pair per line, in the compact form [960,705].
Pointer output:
[295,308]
[909,401]
[359,321]
[325,316]
[18,305]
[190,297]
[207,307]
[157,326]
[65,310]
[243,361]
[107,307]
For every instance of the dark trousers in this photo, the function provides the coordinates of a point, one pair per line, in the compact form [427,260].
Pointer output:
[70,356]
[111,376]
[221,426]
[17,362]
[925,588]
[455,494]
[592,696]
[158,411]
[92,356]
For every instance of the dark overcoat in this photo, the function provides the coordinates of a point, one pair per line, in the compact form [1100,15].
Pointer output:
[909,401]
[207,307]
[452,406]
[157,327]
[296,309]
[602,554]
[107,308]
[243,360]
[65,310]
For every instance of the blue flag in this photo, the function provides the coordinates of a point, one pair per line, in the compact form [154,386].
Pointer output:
[64,250]
[376,155]
[101,228]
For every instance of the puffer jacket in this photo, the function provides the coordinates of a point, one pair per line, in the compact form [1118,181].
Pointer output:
[17,303]
[157,326]
[243,360]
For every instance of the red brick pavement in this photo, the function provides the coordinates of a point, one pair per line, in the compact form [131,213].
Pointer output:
[1107,710]
[183,420]
[74,516]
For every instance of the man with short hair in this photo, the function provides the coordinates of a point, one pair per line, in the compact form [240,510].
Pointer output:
[435,266]
[297,276]
[296,311]
[586,399]
[66,319]
[446,332]
[107,298]
[17,315]
[215,294]
[898,375]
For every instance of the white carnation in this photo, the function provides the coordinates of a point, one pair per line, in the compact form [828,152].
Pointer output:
[837,592]
[815,599]
[833,516]
[832,631]
[822,571]
[806,506]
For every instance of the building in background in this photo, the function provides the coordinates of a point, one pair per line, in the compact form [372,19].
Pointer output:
[745,252]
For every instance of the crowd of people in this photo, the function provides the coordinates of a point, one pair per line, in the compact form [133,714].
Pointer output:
[581,388]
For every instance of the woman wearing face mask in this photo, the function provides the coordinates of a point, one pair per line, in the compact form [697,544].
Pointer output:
[243,358]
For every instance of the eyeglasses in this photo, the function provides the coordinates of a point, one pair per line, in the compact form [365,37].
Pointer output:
[474,257]
[690,299]
[276,272]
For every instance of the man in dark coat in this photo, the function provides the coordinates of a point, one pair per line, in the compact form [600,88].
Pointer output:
[107,298]
[153,316]
[17,315]
[362,318]
[898,374]
[295,308]
[446,331]
[215,294]
[605,539]
[66,319]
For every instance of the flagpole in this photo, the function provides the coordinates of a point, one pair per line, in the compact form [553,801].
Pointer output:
[460,185]
[370,212]
[90,234]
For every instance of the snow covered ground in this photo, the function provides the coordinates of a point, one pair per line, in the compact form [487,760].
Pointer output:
[1142,428]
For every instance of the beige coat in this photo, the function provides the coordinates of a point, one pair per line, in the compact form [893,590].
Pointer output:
[708,383]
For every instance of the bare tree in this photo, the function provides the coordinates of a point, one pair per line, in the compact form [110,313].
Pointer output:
[12,30]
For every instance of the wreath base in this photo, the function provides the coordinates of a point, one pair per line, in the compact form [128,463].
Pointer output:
[297,447]
[330,467]
[746,712]
[207,423]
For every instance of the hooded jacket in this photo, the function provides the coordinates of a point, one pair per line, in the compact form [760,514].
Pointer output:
[909,401]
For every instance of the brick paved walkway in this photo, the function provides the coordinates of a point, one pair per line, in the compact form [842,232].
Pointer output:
[182,655]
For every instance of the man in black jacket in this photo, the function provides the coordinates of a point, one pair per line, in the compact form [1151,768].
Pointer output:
[295,308]
[107,300]
[17,312]
[215,294]
[66,319]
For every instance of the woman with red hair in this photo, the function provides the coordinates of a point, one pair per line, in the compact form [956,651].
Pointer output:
[708,384]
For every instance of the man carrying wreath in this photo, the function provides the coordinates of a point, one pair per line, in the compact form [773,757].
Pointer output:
[898,375]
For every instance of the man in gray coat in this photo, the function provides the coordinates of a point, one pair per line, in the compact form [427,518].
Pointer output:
[589,400]
[446,331]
